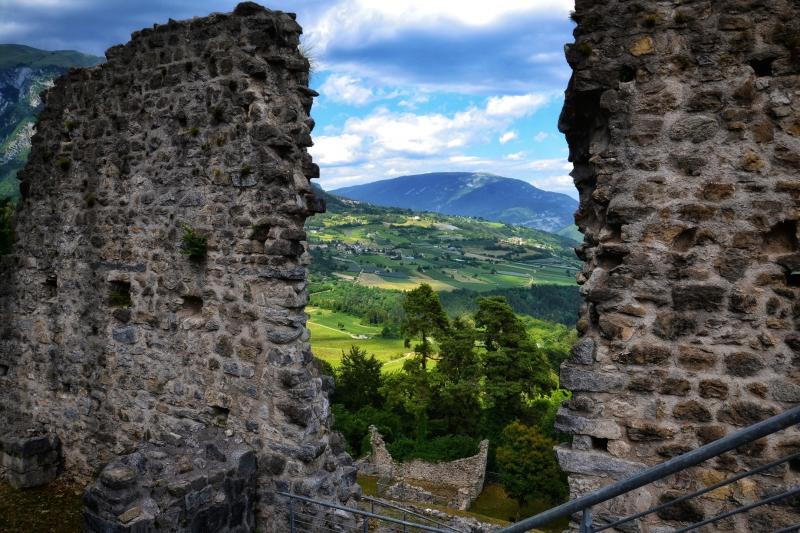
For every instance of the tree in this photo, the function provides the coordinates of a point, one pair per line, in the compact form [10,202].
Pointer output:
[455,381]
[359,380]
[502,328]
[410,391]
[457,358]
[424,317]
[528,467]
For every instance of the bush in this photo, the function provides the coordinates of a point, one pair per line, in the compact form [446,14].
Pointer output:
[194,245]
[63,163]
[528,467]
[439,449]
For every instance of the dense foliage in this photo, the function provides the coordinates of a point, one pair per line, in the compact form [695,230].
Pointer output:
[557,303]
[489,375]
[527,465]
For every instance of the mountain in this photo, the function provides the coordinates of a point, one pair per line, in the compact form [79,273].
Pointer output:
[471,194]
[24,73]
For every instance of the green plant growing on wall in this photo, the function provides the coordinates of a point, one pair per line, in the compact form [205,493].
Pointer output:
[6,229]
[63,163]
[120,294]
[584,49]
[194,245]
[682,17]
[90,200]
[650,21]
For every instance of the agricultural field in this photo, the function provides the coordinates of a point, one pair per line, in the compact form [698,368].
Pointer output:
[397,249]
[333,333]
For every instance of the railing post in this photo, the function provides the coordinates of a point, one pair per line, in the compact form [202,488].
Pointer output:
[366,525]
[586,521]
[405,529]
[292,527]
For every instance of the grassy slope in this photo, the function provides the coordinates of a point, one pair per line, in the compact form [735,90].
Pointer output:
[448,252]
[329,340]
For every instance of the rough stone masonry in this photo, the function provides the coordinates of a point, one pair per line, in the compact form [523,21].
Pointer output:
[111,336]
[683,121]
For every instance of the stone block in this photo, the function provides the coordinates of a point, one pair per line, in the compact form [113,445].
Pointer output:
[595,463]
[576,379]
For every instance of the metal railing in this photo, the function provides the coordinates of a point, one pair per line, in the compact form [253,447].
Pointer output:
[730,442]
[307,515]
[406,514]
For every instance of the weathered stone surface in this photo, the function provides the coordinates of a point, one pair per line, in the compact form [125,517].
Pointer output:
[460,481]
[201,125]
[29,455]
[593,463]
[217,492]
[683,133]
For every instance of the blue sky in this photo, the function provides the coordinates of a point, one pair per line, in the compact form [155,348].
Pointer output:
[407,86]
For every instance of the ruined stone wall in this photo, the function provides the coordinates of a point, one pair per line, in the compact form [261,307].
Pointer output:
[111,335]
[462,479]
[683,120]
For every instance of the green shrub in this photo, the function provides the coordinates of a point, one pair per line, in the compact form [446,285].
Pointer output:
[194,245]
[528,467]
[682,17]
[194,131]
[438,449]
[63,163]
[120,294]
[650,21]
[90,200]
[6,227]
[584,49]
[245,171]
[70,125]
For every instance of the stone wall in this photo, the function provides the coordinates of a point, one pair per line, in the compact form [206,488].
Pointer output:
[206,484]
[461,481]
[110,335]
[683,121]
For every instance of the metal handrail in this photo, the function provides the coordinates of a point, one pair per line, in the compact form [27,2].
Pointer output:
[655,473]
[700,492]
[412,513]
[365,514]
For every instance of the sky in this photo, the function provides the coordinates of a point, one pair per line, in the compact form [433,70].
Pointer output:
[406,86]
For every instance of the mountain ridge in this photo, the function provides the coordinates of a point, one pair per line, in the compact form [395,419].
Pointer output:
[26,72]
[476,194]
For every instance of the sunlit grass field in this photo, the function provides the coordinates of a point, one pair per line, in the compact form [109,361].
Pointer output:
[333,333]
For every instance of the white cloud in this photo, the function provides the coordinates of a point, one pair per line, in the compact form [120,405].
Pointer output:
[335,150]
[550,164]
[364,21]
[516,156]
[560,183]
[539,137]
[345,89]
[386,132]
[515,106]
[507,136]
